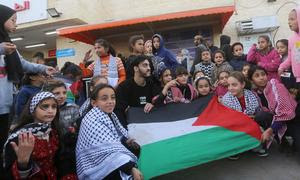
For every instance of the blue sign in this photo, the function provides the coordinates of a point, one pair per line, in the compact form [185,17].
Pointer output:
[65,52]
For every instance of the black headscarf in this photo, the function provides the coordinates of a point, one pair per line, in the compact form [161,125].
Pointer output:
[13,64]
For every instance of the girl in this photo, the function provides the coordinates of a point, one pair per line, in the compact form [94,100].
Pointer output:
[31,84]
[287,78]
[239,58]
[239,98]
[198,74]
[95,81]
[166,81]
[293,48]
[222,84]
[31,148]
[265,56]
[12,66]
[221,64]
[148,48]
[203,86]
[245,70]
[103,149]
[164,57]
[206,65]
[278,107]
[107,64]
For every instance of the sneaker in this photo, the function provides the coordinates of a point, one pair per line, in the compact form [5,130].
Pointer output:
[262,153]
[234,157]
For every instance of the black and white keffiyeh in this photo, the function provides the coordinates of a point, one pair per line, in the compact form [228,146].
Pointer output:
[39,130]
[99,150]
[232,102]
[38,98]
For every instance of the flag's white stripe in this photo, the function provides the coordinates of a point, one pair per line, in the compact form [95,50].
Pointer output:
[146,133]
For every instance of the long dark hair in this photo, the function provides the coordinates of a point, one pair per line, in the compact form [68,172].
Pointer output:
[26,117]
[106,45]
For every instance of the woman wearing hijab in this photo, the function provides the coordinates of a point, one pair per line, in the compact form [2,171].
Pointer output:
[12,67]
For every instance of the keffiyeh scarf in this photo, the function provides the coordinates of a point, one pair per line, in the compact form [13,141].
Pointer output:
[99,150]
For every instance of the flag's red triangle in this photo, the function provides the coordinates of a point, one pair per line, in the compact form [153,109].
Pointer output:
[218,115]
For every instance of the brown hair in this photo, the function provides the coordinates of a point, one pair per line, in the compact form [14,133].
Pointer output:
[239,76]
[133,39]
[52,84]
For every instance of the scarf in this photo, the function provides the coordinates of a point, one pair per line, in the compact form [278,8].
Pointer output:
[232,102]
[99,150]
[113,76]
[13,64]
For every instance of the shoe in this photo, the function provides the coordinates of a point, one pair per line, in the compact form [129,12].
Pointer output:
[234,157]
[262,153]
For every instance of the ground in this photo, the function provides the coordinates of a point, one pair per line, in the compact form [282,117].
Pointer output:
[277,166]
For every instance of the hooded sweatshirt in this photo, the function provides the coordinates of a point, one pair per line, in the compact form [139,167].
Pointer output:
[164,55]
[293,52]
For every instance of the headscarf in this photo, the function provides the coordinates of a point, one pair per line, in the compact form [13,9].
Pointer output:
[38,98]
[12,61]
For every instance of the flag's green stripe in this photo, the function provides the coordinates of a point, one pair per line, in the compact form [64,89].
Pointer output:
[192,149]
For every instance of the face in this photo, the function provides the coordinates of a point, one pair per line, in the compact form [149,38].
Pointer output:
[203,87]
[238,50]
[11,24]
[138,47]
[260,79]
[100,50]
[45,111]
[166,77]
[144,69]
[182,79]
[197,40]
[223,78]
[205,56]
[219,58]
[293,22]
[106,100]
[262,44]
[148,48]
[235,87]
[156,42]
[245,71]
[281,48]
[60,94]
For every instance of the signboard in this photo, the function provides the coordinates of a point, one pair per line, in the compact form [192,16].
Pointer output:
[52,53]
[28,10]
[65,52]
[249,40]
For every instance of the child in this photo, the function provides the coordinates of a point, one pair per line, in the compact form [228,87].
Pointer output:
[294,46]
[239,98]
[148,48]
[31,84]
[103,142]
[265,56]
[181,90]
[239,58]
[245,70]
[221,64]
[107,64]
[198,74]
[31,149]
[203,86]
[164,57]
[278,107]
[95,81]
[287,78]
[222,85]
[206,65]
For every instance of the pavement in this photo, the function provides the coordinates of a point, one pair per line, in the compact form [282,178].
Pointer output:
[277,166]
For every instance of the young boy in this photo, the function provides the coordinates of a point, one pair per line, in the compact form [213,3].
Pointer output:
[206,65]
[239,58]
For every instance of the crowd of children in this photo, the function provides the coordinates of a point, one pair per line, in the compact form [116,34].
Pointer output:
[55,135]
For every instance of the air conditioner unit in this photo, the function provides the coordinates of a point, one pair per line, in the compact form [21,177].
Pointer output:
[257,25]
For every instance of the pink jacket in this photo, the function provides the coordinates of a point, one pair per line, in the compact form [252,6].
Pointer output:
[270,62]
[293,57]
[179,97]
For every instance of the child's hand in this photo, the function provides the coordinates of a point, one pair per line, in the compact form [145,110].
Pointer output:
[88,55]
[267,134]
[280,71]
[24,148]
[9,48]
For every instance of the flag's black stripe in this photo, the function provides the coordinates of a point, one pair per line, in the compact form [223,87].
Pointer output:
[169,112]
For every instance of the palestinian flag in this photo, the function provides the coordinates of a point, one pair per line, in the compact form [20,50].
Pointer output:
[179,136]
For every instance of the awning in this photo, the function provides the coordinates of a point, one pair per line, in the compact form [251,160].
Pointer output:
[89,33]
